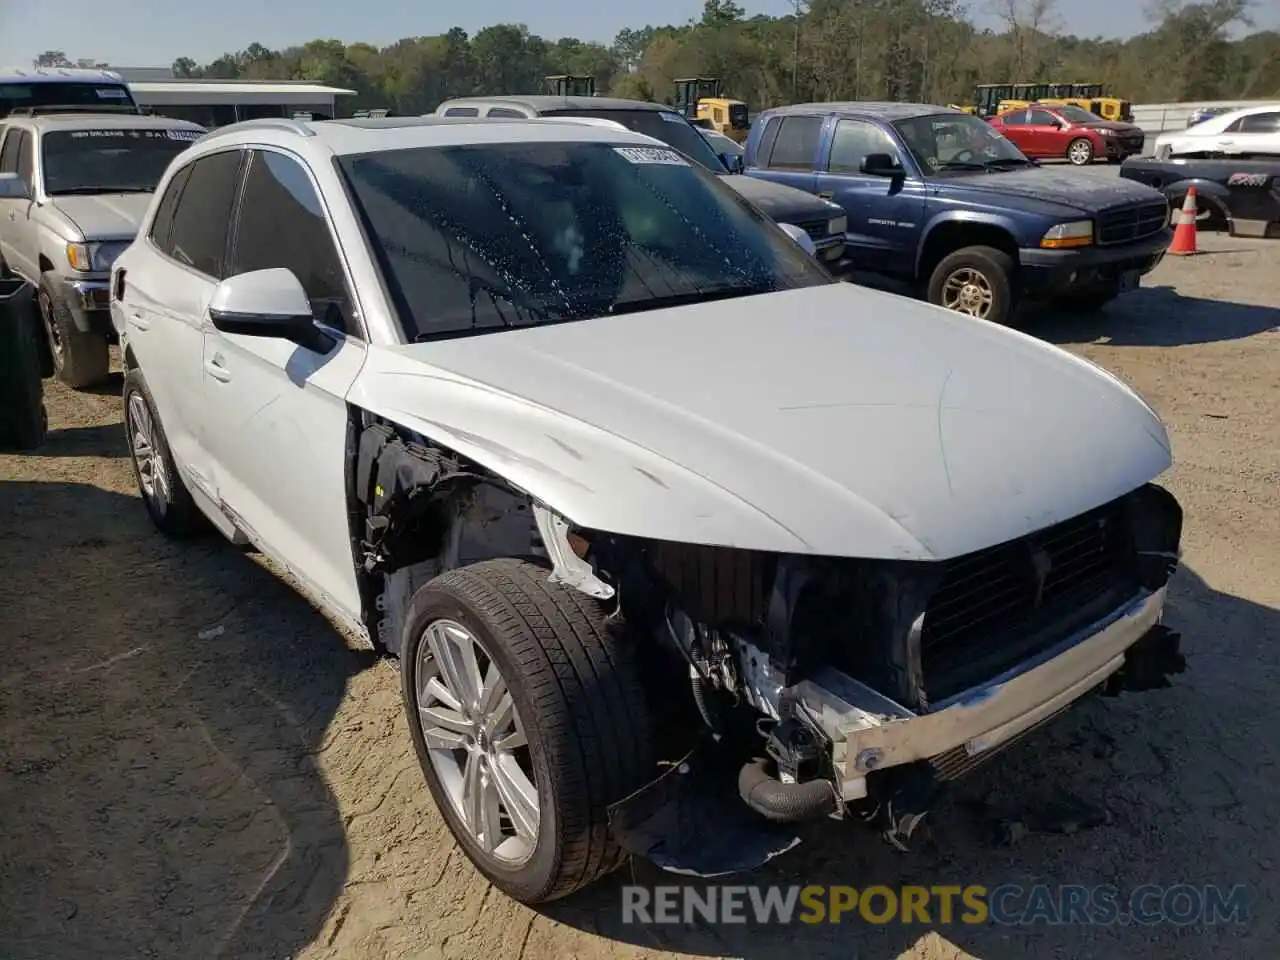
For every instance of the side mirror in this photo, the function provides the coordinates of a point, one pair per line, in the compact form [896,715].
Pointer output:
[733,162]
[880,165]
[267,303]
[802,239]
[12,187]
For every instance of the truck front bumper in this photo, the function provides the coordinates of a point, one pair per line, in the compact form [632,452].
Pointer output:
[90,304]
[871,733]
[1049,273]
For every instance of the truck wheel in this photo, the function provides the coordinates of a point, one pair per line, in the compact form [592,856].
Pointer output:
[79,359]
[529,720]
[24,421]
[974,281]
[1080,151]
[164,494]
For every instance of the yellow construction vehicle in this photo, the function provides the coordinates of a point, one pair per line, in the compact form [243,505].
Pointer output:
[700,100]
[992,99]
[569,85]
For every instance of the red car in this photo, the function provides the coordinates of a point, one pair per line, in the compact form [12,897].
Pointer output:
[1069,131]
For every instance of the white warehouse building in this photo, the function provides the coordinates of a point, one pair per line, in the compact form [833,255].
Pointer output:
[216,103]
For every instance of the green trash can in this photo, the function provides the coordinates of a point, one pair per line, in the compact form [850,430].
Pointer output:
[23,418]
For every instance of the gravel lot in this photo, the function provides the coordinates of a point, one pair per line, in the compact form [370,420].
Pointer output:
[196,763]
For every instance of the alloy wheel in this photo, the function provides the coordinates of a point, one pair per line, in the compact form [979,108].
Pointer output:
[968,291]
[51,329]
[476,742]
[153,473]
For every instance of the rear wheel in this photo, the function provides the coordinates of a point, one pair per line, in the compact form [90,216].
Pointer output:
[1080,151]
[164,494]
[80,359]
[528,719]
[976,281]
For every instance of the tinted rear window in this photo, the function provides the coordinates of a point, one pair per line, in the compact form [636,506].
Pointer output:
[110,161]
[796,146]
[70,94]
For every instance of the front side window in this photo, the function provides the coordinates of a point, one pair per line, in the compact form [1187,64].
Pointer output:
[957,143]
[109,161]
[26,159]
[10,151]
[665,125]
[1043,118]
[505,113]
[479,238]
[200,222]
[282,224]
[1260,123]
[462,112]
[854,141]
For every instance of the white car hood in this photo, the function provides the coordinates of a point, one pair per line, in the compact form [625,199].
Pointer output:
[831,420]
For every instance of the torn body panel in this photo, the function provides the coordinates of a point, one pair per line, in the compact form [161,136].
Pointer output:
[832,686]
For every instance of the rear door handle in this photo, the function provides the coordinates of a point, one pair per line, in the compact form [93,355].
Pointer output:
[216,370]
[138,320]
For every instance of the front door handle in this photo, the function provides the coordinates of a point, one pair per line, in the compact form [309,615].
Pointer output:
[826,194]
[216,370]
[139,321]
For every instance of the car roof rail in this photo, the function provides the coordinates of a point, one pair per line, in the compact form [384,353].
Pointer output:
[56,108]
[283,124]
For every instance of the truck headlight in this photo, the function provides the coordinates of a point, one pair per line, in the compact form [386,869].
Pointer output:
[838,225]
[1077,233]
[94,257]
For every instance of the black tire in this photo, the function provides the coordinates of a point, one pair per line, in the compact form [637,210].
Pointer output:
[80,359]
[995,267]
[171,509]
[25,421]
[576,688]
[1080,152]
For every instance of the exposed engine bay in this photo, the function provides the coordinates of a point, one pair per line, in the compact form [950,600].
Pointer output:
[816,686]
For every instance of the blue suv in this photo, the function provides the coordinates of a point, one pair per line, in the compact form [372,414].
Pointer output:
[937,197]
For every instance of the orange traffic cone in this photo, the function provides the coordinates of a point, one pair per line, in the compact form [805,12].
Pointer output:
[1184,234]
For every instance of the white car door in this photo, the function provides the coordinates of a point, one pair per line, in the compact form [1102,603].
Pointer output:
[277,412]
[1252,133]
[164,289]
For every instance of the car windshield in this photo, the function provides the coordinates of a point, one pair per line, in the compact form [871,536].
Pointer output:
[64,94]
[475,239]
[665,125]
[1077,114]
[109,161]
[955,143]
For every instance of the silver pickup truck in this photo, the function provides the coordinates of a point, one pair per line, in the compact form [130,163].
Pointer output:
[73,188]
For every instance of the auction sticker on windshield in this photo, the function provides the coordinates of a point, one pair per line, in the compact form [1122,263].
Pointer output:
[189,135]
[651,155]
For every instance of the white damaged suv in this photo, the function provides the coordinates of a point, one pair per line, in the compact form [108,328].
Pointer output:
[678,540]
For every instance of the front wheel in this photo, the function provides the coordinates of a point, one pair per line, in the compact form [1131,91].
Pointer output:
[80,358]
[528,719]
[976,281]
[1080,152]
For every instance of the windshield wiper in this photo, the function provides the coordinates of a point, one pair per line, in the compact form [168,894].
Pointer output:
[962,165]
[1000,162]
[684,299]
[81,191]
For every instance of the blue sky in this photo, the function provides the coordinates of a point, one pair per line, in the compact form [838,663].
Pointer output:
[145,33]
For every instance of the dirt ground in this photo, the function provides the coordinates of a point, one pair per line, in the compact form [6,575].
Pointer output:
[197,763]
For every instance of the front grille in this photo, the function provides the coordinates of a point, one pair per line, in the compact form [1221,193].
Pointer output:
[996,607]
[1131,222]
[1132,143]
[816,229]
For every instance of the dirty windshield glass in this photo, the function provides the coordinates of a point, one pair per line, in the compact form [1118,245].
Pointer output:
[109,161]
[951,143]
[665,125]
[476,239]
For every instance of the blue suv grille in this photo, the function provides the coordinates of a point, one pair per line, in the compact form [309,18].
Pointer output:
[1131,222]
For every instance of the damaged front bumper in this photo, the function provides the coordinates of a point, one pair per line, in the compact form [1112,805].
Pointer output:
[870,732]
